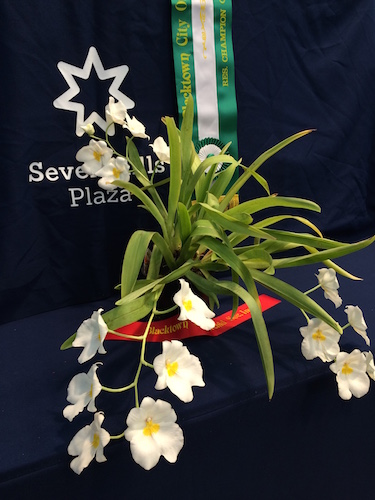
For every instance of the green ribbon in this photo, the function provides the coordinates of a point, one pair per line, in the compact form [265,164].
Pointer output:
[204,67]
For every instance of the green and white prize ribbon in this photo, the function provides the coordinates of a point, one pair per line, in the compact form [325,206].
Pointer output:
[204,67]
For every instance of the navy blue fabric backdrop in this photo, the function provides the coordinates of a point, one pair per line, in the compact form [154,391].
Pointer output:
[298,65]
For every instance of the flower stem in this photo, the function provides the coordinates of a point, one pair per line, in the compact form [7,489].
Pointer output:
[312,289]
[125,336]
[119,436]
[120,389]
[166,311]
[142,361]
[304,313]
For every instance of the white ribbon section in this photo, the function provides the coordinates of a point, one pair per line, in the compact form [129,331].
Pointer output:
[202,13]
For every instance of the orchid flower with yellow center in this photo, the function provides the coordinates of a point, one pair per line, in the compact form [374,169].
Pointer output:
[116,169]
[193,307]
[88,444]
[178,370]
[357,321]
[82,391]
[94,156]
[319,340]
[351,376]
[328,281]
[152,432]
[90,335]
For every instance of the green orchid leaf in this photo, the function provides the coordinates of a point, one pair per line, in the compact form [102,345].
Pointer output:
[187,135]
[154,266]
[229,257]
[262,181]
[252,206]
[68,342]
[147,203]
[257,163]
[165,250]
[278,218]
[222,180]
[172,276]
[134,159]
[183,221]
[130,312]
[175,171]
[294,296]
[133,259]
[193,180]
[260,329]
[314,257]
[309,240]
[227,222]
[204,286]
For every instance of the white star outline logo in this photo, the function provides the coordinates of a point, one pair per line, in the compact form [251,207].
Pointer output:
[68,71]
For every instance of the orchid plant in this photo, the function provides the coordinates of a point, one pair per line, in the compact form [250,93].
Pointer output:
[201,233]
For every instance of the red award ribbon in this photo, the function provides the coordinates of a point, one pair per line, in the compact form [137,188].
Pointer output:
[173,329]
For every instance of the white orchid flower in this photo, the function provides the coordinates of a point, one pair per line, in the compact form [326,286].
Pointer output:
[88,443]
[94,156]
[90,335]
[319,340]
[88,128]
[328,281]
[152,432]
[351,374]
[115,112]
[357,321]
[82,391]
[161,149]
[116,169]
[178,370]
[193,307]
[370,366]
[135,127]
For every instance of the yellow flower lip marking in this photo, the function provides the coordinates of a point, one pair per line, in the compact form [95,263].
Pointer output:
[346,370]
[97,155]
[150,427]
[171,368]
[187,305]
[90,393]
[318,335]
[95,440]
[116,173]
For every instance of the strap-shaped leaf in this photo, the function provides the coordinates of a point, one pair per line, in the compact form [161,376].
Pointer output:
[314,257]
[226,221]
[175,172]
[252,206]
[294,296]
[229,257]
[186,137]
[147,202]
[278,218]
[183,221]
[257,163]
[133,259]
[173,275]
[260,329]
[130,312]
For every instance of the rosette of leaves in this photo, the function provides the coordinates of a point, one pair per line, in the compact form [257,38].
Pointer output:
[199,237]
